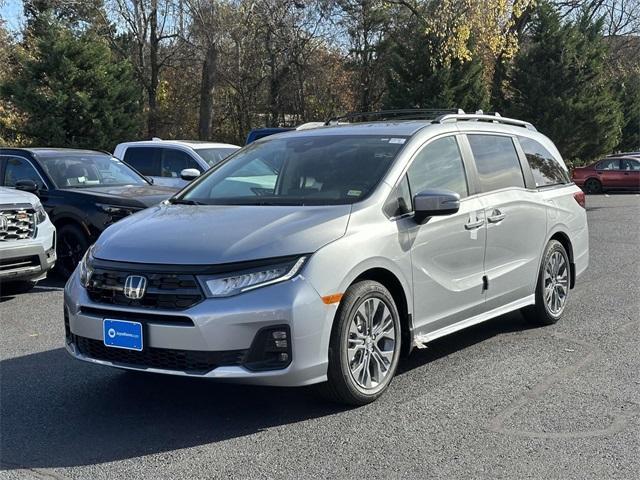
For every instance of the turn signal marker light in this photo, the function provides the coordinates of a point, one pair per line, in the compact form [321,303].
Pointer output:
[335,298]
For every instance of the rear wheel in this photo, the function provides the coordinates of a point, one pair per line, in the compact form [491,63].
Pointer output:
[593,186]
[72,244]
[552,291]
[365,345]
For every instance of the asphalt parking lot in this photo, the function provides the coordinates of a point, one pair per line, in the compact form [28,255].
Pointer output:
[500,400]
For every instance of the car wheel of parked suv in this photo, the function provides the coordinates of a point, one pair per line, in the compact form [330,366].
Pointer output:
[22,286]
[72,243]
[365,345]
[593,186]
[553,286]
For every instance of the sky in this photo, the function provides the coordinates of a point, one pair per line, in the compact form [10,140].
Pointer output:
[11,12]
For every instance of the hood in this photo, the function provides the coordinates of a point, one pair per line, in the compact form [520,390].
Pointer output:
[213,234]
[9,196]
[139,195]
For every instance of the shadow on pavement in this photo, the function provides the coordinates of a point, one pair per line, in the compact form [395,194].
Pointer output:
[58,412]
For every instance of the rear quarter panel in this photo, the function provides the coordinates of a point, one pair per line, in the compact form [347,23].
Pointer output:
[565,215]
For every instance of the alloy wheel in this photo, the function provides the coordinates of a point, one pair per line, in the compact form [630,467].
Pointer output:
[556,283]
[371,343]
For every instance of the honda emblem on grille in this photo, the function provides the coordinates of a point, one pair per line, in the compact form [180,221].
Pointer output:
[135,286]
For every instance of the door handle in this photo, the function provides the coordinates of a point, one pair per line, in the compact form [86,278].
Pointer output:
[474,225]
[496,216]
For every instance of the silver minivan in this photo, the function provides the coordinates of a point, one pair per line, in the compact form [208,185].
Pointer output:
[320,257]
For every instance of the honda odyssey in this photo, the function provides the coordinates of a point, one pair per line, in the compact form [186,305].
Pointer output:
[321,256]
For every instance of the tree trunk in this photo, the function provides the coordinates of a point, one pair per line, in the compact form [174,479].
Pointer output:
[206,93]
[152,122]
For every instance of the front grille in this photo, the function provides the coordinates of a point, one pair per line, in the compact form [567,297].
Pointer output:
[190,361]
[167,291]
[19,263]
[17,223]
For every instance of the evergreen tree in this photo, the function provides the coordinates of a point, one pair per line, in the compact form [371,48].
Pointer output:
[417,77]
[71,89]
[629,89]
[560,85]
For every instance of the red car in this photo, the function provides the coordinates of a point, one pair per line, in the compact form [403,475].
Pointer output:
[611,173]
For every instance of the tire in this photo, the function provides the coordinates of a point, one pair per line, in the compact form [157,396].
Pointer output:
[71,246]
[548,309]
[593,186]
[19,286]
[362,375]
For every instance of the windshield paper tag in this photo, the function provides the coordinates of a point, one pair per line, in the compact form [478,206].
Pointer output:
[397,140]
[354,193]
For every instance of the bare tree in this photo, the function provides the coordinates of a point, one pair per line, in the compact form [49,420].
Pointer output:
[150,29]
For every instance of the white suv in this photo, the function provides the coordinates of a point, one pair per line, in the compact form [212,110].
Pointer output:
[173,163]
[27,238]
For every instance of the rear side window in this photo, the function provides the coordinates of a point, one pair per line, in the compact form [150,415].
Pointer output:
[545,168]
[497,162]
[628,164]
[438,165]
[144,159]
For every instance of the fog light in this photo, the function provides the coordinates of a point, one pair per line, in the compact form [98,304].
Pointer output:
[279,335]
[270,349]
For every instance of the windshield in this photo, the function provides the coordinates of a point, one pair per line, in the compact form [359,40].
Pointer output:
[213,156]
[90,170]
[304,170]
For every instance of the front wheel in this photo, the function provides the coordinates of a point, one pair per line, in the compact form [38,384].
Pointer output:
[553,286]
[72,244]
[365,345]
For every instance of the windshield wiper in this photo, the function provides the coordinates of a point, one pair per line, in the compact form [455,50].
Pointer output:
[182,201]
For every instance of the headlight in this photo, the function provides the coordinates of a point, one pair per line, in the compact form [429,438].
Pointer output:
[85,268]
[117,212]
[41,215]
[227,285]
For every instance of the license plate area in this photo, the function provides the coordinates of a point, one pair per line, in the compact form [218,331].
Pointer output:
[122,334]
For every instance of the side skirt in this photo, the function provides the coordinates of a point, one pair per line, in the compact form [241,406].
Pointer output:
[420,339]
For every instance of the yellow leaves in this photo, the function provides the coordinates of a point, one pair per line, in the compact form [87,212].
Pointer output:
[468,27]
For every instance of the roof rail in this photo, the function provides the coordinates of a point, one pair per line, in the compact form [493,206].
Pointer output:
[402,114]
[482,117]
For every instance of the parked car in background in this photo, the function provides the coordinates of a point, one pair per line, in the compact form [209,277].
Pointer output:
[342,247]
[173,163]
[611,173]
[27,238]
[83,191]
[625,154]
[258,133]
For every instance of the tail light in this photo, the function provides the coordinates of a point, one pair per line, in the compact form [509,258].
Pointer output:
[580,198]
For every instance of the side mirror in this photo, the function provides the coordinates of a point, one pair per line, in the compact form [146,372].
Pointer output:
[150,180]
[435,202]
[27,186]
[189,174]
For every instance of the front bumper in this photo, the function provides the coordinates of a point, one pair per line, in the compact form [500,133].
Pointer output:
[217,326]
[29,259]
